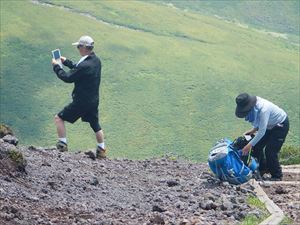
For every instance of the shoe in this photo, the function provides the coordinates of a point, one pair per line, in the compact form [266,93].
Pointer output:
[62,146]
[263,172]
[100,153]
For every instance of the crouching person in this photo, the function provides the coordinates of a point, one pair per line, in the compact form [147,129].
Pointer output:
[271,125]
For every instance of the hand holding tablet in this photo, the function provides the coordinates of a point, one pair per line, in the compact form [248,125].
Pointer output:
[57,57]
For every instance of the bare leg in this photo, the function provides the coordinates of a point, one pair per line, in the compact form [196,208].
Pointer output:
[60,127]
[100,136]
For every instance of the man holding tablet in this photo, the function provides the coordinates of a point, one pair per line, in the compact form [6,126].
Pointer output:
[86,76]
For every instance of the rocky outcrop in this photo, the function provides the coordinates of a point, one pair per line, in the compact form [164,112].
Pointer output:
[11,158]
[5,130]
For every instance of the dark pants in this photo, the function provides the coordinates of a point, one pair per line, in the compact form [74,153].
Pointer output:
[267,149]
[87,113]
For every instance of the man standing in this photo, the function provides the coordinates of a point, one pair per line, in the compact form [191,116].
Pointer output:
[271,125]
[86,76]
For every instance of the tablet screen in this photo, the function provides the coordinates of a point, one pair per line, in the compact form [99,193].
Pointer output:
[56,54]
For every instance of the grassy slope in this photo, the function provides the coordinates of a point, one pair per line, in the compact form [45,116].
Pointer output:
[279,16]
[170,88]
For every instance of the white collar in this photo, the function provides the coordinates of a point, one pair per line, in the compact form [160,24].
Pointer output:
[82,59]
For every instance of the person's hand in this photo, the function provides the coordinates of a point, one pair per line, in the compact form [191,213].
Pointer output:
[54,62]
[248,132]
[246,149]
[62,58]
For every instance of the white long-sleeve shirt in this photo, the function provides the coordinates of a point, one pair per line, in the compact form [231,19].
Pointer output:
[269,115]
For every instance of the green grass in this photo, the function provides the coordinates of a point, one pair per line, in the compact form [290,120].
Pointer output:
[169,87]
[290,155]
[279,16]
[252,219]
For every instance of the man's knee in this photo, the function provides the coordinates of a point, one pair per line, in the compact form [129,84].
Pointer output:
[95,126]
[57,119]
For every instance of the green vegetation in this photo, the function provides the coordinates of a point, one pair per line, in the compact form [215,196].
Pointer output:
[4,130]
[169,77]
[279,16]
[290,155]
[16,156]
[252,219]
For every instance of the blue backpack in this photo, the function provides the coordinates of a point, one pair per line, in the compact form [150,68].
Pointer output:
[227,165]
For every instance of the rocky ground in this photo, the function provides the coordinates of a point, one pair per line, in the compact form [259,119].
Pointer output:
[286,195]
[45,186]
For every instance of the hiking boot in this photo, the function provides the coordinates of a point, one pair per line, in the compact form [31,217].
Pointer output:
[62,146]
[100,153]
[263,172]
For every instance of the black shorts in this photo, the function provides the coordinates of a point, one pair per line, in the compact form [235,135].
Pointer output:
[73,112]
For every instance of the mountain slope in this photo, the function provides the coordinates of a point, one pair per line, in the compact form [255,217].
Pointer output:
[278,16]
[169,77]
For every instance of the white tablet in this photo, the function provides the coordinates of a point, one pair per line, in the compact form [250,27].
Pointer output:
[248,137]
[56,55]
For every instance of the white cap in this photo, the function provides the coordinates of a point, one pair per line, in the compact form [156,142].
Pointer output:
[85,41]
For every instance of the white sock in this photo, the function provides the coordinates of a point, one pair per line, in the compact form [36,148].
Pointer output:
[101,145]
[64,140]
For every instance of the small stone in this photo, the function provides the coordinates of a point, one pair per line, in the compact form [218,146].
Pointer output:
[169,214]
[280,190]
[44,190]
[52,184]
[45,163]
[256,213]
[265,185]
[210,196]
[7,179]
[208,205]
[99,210]
[172,183]
[157,220]
[184,222]
[226,184]
[229,213]
[91,155]
[157,208]
[10,139]
[226,205]
[33,198]
[178,205]
[94,181]
[32,148]
[240,215]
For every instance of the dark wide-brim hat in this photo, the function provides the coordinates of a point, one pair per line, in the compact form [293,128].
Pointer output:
[244,104]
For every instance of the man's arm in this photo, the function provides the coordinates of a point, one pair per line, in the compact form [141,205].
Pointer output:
[262,127]
[252,131]
[67,62]
[71,76]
